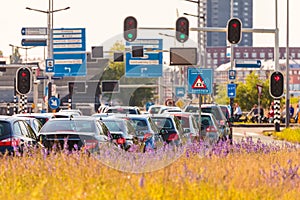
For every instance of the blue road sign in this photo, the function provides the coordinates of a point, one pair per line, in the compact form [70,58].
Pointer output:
[34,42]
[34,31]
[54,102]
[150,65]
[247,63]
[69,52]
[179,91]
[49,65]
[200,81]
[231,90]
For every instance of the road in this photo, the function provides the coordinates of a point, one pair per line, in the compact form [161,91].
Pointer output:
[254,132]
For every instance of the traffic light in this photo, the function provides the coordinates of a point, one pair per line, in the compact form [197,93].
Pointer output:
[23,80]
[182,29]
[130,29]
[234,27]
[276,84]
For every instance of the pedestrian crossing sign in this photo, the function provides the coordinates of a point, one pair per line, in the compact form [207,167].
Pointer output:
[200,81]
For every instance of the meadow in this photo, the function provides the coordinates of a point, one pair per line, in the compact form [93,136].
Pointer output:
[244,170]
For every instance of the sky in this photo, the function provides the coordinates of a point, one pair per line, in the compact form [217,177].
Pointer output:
[103,20]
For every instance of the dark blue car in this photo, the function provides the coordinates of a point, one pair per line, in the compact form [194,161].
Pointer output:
[15,134]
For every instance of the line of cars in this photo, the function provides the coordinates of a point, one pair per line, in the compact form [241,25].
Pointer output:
[124,127]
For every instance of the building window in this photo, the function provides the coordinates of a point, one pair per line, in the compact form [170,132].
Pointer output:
[237,54]
[298,55]
[208,55]
[262,54]
[222,55]
[209,61]
[215,55]
[270,55]
[254,55]
[215,61]
[246,55]
[293,55]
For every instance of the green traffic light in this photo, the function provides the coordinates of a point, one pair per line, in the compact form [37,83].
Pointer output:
[130,35]
[182,36]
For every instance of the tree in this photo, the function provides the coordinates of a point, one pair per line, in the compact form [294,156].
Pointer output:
[247,93]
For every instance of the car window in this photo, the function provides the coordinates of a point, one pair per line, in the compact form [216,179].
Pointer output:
[4,128]
[17,129]
[163,123]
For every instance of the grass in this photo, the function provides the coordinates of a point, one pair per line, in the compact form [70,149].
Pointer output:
[244,170]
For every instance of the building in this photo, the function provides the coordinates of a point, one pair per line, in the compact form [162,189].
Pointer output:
[218,12]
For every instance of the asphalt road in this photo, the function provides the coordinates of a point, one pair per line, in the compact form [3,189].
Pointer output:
[254,132]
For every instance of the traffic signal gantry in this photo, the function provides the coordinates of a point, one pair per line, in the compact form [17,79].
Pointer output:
[234,30]
[182,29]
[276,84]
[23,80]
[130,28]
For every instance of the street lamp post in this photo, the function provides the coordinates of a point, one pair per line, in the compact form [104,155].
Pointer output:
[49,13]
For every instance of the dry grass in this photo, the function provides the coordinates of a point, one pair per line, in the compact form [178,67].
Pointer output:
[242,175]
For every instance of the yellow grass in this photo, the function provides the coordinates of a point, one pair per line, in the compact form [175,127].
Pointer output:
[237,176]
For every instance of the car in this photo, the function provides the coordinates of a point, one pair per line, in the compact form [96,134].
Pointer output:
[189,125]
[102,115]
[15,134]
[42,117]
[74,133]
[216,110]
[210,130]
[147,132]
[35,124]
[170,128]
[72,111]
[123,110]
[159,109]
[121,131]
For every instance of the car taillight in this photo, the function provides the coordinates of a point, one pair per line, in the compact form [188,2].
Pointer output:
[10,142]
[147,136]
[121,140]
[211,129]
[89,144]
[173,136]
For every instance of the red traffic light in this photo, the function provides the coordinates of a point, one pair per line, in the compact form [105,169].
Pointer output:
[276,84]
[23,80]
[23,74]
[277,78]
[234,25]
[234,31]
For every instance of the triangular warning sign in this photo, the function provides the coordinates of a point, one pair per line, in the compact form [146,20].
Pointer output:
[199,83]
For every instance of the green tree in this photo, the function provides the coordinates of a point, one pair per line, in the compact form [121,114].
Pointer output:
[246,93]
[129,96]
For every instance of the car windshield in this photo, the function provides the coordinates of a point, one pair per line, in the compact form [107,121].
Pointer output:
[69,125]
[122,110]
[163,123]
[115,126]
